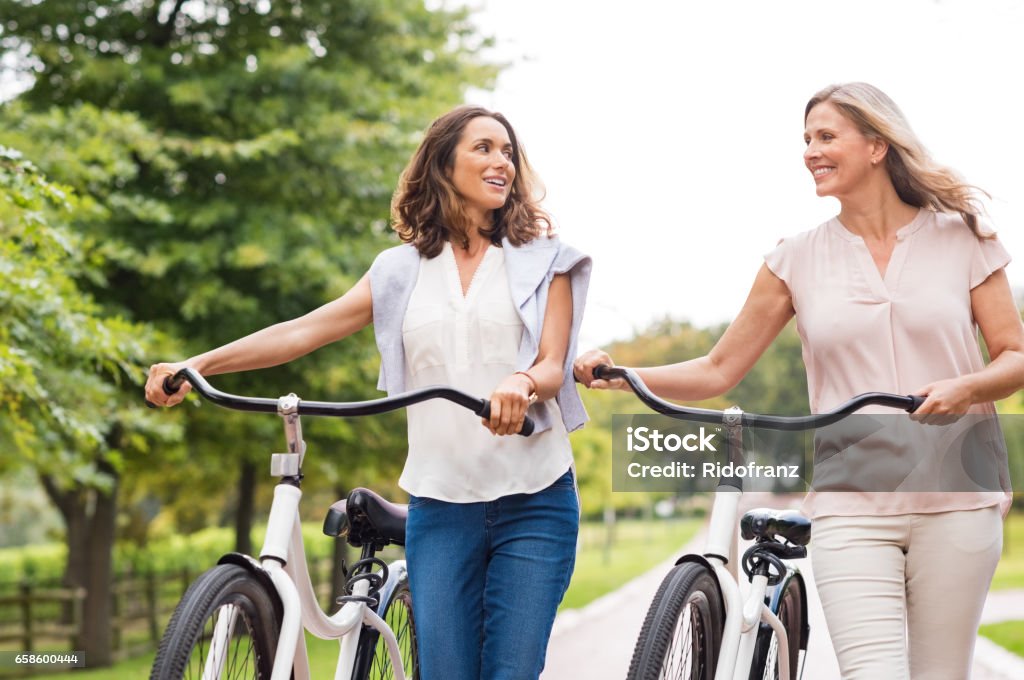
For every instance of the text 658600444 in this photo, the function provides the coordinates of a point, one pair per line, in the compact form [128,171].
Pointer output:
[56,660]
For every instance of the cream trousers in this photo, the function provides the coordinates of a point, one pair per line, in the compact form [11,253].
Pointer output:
[903,594]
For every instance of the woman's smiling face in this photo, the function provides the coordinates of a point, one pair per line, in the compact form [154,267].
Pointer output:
[482,169]
[838,154]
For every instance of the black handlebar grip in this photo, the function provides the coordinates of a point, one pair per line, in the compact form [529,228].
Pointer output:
[525,431]
[917,401]
[170,386]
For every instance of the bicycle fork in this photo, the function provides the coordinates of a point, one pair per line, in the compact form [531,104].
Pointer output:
[222,633]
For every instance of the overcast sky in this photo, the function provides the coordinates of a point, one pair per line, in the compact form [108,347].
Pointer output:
[670,134]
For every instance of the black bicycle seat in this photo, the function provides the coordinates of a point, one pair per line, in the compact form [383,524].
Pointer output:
[364,518]
[766,524]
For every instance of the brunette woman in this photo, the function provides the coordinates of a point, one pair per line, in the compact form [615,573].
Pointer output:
[484,298]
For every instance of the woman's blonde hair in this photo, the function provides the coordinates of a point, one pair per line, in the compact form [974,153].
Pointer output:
[427,210]
[919,181]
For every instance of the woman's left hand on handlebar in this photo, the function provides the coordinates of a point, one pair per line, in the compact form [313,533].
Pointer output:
[508,405]
[945,401]
[155,384]
[583,371]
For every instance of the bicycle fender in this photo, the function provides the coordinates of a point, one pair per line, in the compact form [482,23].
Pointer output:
[806,632]
[253,565]
[700,559]
[774,597]
[397,572]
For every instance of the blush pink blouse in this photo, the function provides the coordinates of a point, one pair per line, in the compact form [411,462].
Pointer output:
[865,332]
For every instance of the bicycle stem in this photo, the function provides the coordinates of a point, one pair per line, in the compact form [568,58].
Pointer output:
[289,465]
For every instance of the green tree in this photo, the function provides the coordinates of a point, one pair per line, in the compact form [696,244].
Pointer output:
[248,183]
[62,362]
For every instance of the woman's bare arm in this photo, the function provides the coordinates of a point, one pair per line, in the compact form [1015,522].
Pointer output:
[764,314]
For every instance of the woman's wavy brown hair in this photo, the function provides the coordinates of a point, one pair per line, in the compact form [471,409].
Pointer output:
[426,209]
[919,181]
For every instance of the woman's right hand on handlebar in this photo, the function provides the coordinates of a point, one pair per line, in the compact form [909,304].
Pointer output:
[155,384]
[583,370]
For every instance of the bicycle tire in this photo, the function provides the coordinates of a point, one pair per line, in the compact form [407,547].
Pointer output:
[791,614]
[224,590]
[682,633]
[373,661]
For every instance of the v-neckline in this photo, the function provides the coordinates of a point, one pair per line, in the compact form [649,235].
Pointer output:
[455,276]
[885,282]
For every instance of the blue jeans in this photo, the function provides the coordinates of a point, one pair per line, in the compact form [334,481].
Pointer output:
[486,579]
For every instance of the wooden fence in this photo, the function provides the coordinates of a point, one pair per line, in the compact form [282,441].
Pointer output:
[46,617]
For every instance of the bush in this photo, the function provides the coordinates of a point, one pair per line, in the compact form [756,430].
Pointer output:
[44,563]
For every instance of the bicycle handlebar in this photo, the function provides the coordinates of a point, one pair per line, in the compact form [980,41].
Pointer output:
[481,407]
[908,403]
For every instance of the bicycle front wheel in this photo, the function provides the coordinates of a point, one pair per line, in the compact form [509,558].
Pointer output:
[791,614]
[226,627]
[682,633]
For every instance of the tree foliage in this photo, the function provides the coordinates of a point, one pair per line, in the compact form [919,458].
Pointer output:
[250,181]
[236,161]
[62,359]
[63,365]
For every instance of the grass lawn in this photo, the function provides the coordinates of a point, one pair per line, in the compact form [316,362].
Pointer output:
[1008,634]
[1010,572]
[323,657]
[637,547]
[131,669]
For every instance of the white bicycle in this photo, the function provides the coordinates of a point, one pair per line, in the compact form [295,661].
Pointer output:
[699,627]
[244,618]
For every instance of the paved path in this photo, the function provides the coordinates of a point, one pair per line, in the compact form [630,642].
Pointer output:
[596,642]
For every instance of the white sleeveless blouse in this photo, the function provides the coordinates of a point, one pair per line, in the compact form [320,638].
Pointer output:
[469,342]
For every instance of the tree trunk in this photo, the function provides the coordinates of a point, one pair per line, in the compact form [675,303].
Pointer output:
[97,626]
[72,504]
[246,503]
[90,534]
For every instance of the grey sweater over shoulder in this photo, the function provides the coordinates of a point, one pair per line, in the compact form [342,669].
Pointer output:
[530,269]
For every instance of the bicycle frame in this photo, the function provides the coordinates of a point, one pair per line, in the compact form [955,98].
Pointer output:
[742,615]
[291,579]
[283,559]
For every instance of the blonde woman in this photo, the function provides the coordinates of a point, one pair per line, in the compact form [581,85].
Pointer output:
[888,296]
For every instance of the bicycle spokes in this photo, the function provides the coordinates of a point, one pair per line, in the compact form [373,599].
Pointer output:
[225,650]
[683,658]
